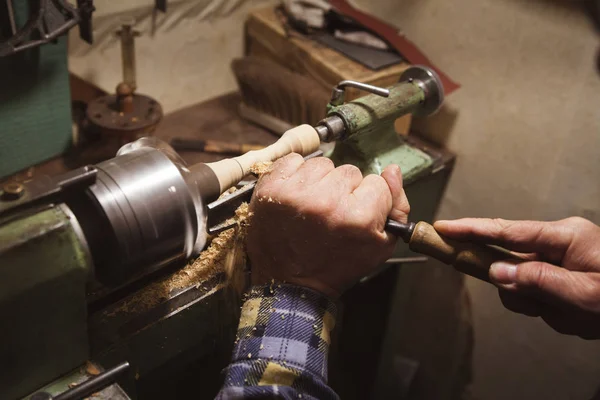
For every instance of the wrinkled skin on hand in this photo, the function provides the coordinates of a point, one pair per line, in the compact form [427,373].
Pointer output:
[559,280]
[322,227]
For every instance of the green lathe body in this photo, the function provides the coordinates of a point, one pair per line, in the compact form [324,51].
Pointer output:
[43,273]
[371,143]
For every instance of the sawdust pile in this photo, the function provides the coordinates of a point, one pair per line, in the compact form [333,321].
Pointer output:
[225,254]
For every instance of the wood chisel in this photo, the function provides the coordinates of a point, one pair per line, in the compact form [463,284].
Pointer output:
[470,258]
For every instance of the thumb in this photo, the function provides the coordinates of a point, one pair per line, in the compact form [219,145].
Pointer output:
[544,281]
[400,205]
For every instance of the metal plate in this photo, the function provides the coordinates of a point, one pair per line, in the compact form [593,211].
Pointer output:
[104,113]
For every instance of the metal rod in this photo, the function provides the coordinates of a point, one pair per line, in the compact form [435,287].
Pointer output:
[364,86]
[127,35]
[400,229]
[94,384]
[11,17]
[406,260]
[337,96]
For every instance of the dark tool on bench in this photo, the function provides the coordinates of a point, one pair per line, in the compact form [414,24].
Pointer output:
[213,146]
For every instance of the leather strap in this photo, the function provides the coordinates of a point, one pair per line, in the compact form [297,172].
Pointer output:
[405,47]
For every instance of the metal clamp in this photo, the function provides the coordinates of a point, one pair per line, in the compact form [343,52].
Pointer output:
[48,21]
[337,96]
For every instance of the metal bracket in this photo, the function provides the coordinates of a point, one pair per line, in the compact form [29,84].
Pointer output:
[337,96]
[51,19]
[17,197]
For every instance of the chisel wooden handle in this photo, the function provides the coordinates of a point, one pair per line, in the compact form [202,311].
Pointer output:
[470,258]
[213,146]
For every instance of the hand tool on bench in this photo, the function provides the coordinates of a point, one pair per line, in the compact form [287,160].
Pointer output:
[213,146]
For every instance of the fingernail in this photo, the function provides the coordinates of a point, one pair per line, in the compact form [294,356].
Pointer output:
[441,224]
[503,272]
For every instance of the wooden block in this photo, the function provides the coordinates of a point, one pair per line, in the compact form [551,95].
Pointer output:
[266,37]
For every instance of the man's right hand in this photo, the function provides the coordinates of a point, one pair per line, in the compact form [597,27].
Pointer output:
[322,227]
[560,279]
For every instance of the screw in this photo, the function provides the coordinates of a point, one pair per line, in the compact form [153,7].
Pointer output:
[12,191]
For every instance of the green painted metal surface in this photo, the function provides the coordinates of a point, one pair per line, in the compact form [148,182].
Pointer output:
[372,143]
[35,102]
[76,377]
[42,301]
[412,161]
[368,114]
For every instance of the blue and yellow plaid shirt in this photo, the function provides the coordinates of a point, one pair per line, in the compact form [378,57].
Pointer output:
[281,346]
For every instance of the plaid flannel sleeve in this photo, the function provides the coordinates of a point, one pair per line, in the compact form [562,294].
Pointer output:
[281,346]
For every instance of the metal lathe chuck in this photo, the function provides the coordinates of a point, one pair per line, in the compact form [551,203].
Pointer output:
[137,211]
[153,206]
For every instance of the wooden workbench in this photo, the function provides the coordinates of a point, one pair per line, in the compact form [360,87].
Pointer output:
[214,119]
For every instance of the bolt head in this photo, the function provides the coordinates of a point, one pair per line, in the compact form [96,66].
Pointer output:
[123,89]
[12,191]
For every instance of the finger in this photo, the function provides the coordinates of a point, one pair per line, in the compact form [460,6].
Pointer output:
[565,320]
[523,236]
[400,204]
[312,171]
[281,169]
[374,200]
[547,282]
[345,178]
[521,304]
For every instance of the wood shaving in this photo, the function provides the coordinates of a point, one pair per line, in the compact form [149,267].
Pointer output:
[91,369]
[228,191]
[222,251]
[225,254]
[261,168]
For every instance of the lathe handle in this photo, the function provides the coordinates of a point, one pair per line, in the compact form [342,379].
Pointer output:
[469,258]
[302,139]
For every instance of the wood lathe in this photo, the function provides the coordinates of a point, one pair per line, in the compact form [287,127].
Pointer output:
[114,224]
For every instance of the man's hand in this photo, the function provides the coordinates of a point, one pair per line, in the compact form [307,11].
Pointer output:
[322,227]
[560,281]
